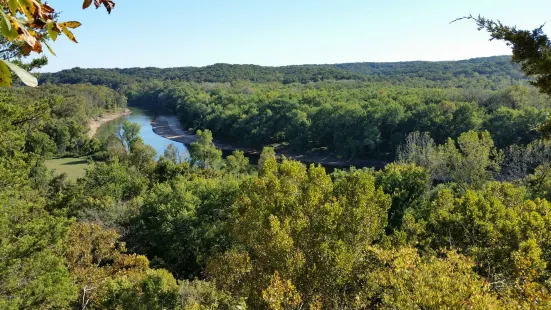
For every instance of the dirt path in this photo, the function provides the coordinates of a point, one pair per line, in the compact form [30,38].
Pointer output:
[169,127]
[95,124]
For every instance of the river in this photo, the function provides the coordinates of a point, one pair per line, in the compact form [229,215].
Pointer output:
[159,143]
[143,118]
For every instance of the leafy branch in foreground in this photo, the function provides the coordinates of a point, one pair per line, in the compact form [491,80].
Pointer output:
[27,25]
[531,48]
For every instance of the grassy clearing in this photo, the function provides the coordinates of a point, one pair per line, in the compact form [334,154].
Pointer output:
[73,167]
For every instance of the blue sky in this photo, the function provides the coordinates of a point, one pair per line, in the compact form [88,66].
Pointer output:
[171,33]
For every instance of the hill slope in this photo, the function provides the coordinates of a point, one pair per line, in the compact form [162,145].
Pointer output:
[488,72]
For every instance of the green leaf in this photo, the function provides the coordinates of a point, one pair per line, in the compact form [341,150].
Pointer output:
[8,31]
[13,5]
[5,76]
[51,31]
[5,21]
[27,78]
[49,48]
[26,3]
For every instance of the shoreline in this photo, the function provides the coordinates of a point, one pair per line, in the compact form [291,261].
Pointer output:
[95,124]
[169,127]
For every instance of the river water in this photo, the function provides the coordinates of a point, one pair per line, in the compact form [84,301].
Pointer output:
[143,118]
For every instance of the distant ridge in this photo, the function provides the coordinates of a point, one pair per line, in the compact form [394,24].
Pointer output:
[496,65]
[491,68]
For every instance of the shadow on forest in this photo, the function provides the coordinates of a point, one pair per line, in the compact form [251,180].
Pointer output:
[76,162]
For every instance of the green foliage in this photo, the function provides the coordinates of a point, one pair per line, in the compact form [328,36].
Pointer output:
[32,270]
[477,161]
[267,159]
[99,195]
[515,126]
[289,236]
[309,229]
[531,49]
[184,220]
[405,280]
[237,163]
[494,225]
[203,152]
[129,134]
[407,185]
[15,164]
[364,115]
[434,230]
[490,71]
[108,278]
[348,119]
[539,182]
[204,295]
[173,154]
[167,170]
[470,162]
[118,78]
[142,156]
[157,290]
[40,144]
[63,116]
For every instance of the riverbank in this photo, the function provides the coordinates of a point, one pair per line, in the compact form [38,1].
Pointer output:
[169,128]
[95,124]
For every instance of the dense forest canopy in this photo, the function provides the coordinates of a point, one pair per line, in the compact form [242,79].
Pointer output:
[357,110]
[461,216]
[460,220]
[498,67]
[494,68]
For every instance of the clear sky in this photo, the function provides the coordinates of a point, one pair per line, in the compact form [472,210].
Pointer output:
[173,33]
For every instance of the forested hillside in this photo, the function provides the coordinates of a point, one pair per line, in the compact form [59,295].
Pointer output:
[215,73]
[440,70]
[492,72]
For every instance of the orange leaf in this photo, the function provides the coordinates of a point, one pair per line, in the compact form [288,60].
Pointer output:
[29,39]
[26,50]
[86,4]
[47,9]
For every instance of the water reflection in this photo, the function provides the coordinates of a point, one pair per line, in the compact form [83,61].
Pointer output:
[144,118]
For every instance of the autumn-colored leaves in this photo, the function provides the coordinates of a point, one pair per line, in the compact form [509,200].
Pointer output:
[38,16]
[108,4]
[29,24]
[23,21]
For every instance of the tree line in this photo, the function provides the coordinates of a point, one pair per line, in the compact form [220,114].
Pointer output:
[349,119]
[488,72]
